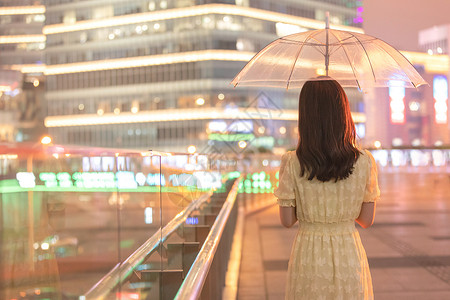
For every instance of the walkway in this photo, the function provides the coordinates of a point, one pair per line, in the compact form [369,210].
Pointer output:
[408,246]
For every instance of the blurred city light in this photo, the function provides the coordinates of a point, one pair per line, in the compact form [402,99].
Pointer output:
[191,149]
[242,144]
[46,140]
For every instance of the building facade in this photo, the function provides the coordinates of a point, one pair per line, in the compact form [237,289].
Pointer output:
[399,117]
[156,74]
[22,83]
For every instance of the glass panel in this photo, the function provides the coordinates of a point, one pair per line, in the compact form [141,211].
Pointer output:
[70,217]
[59,222]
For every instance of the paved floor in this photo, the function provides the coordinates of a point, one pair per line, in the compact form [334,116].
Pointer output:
[408,247]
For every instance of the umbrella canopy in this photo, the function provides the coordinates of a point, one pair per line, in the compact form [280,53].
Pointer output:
[353,59]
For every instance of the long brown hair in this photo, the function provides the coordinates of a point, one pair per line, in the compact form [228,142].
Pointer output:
[326,148]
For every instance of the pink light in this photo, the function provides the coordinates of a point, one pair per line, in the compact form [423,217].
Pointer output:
[128,296]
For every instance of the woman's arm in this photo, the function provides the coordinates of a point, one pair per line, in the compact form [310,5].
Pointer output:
[367,214]
[288,216]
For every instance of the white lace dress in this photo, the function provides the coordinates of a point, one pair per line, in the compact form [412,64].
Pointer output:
[328,260]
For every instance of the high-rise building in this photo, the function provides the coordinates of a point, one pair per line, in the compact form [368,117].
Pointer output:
[155,74]
[399,117]
[21,70]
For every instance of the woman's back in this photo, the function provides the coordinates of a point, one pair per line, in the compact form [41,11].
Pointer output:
[328,260]
[328,202]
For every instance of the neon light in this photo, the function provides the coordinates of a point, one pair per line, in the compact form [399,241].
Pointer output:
[15,39]
[231,137]
[8,156]
[192,11]
[148,215]
[397,104]
[192,220]
[125,180]
[262,175]
[94,179]
[27,68]
[182,179]
[140,179]
[5,88]
[156,180]
[177,115]
[432,64]
[26,179]
[49,179]
[217,126]
[440,95]
[22,10]
[151,60]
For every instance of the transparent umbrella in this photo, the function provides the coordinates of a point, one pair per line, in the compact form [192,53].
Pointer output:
[353,59]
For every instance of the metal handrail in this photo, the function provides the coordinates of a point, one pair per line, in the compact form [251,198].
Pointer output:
[123,270]
[192,285]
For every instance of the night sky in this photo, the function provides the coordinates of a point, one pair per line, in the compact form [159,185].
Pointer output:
[398,22]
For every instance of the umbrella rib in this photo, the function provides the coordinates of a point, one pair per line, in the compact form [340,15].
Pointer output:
[351,65]
[296,58]
[398,62]
[368,58]
[293,66]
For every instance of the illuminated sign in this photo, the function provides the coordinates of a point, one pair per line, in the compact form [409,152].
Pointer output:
[440,95]
[231,137]
[26,179]
[217,126]
[192,221]
[148,215]
[96,180]
[120,180]
[242,126]
[397,101]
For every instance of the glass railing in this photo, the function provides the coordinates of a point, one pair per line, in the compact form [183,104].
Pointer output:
[71,216]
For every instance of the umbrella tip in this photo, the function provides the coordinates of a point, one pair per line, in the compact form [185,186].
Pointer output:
[327,20]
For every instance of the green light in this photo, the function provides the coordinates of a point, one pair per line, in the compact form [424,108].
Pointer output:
[47,176]
[63,176]
[234,174]
[268,184]
[277,175]
[255,176]
[126,243]
[255,184]
[247,183]
[231,137]
[262,175]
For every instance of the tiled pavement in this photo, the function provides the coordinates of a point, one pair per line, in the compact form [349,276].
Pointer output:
[408,247]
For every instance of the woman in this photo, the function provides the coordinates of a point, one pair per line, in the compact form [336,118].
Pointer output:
[327,184]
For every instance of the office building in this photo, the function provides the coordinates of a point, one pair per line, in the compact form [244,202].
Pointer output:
[399,117]
[155,74]
[21,70]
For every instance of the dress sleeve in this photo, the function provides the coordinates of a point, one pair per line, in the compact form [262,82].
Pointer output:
[285,190]
[372,192]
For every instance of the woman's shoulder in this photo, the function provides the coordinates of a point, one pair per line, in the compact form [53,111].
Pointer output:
[366,153]
[366,156]
[290,156]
